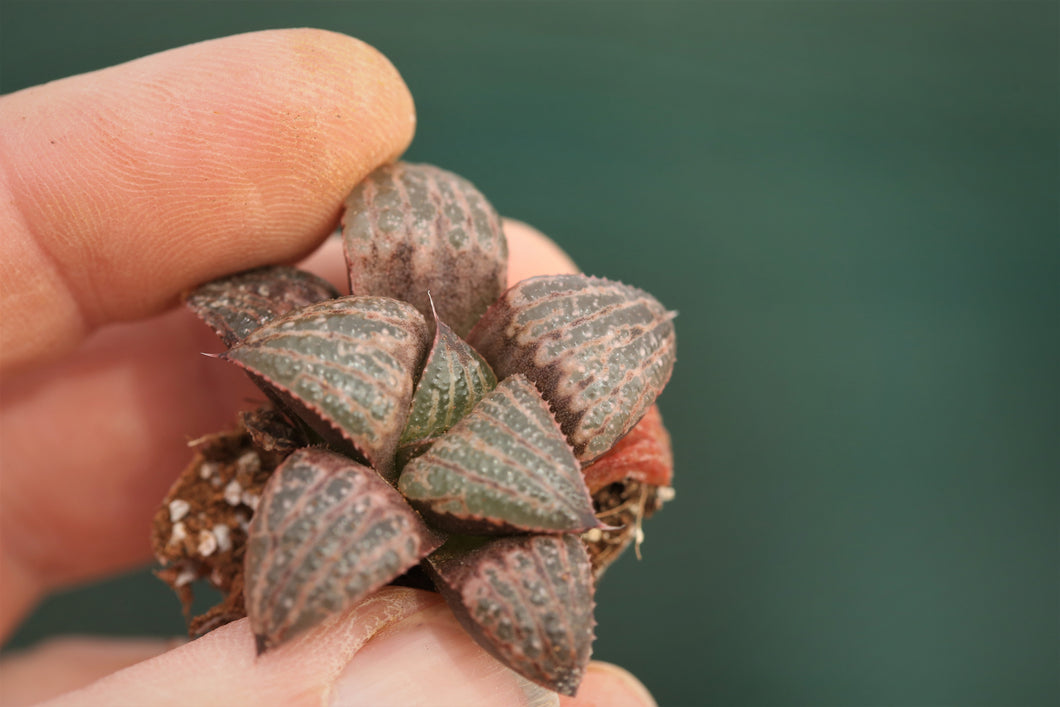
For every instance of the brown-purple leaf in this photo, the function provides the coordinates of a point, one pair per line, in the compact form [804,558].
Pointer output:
[410,228]
[599,351]
[527,600]
[345,366]
[237,305]
[328,532]
[644,455]
[504,468]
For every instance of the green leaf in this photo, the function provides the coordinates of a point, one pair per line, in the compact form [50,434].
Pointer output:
[237,305]
[410,228]
[526,600]
[506,467]
[454,379]
[599,351]
[327,533]
[346,367]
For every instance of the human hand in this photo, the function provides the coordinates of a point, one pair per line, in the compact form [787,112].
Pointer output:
[120,189]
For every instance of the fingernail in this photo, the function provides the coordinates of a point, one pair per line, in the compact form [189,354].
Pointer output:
[428,659]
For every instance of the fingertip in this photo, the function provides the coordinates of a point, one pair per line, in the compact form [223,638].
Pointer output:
[339,63]
[130,184]
[532,253]
[428,658]
[398,647]
[608,685]
[223,666]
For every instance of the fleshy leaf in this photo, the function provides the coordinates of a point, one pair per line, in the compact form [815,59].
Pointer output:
[408,452]
[454,379]
[527,600]
[328,532]
[643,455]
[410,228]
[599,351]
[506,467]
[346,367]
[237,305]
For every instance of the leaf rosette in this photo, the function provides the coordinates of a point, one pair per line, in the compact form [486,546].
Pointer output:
[437,419]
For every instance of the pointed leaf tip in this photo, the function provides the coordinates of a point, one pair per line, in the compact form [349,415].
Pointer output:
[527,600]
[328,531]
[453,380]
[504,468]
[346,367]
[236,305]
[410,228]
[599,351]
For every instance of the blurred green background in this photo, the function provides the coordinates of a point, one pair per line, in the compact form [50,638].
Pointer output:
[854,207]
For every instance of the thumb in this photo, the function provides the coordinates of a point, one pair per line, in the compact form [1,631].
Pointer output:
[399,647]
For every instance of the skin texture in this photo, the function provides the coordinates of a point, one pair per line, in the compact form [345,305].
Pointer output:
[118,190]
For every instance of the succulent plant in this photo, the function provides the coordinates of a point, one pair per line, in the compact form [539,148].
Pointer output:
[435,428]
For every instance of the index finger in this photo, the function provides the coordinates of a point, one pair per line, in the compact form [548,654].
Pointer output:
[122,187]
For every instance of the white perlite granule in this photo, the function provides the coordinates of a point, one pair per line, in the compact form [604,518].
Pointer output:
[233,493]
[178,508]
[207,543]
[224,538]
[178,534]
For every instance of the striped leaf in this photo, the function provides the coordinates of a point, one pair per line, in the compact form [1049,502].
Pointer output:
[327,533]
[346,367]
[506,467]
[599,351]
[410,228]
[644,455]
[527,600]
[454,379]
[237,305]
